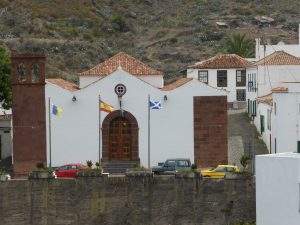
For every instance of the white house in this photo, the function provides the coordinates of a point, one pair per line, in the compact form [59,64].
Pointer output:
[267,74]
[263,50]
[5,134]
[278,189]
[83,132]
[226,71]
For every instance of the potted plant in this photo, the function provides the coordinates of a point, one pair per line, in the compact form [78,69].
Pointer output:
[138,171]
[90,171]
[4,176]
[41,172]
[188,172]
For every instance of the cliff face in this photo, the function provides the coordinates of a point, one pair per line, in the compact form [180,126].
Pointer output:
[167,34]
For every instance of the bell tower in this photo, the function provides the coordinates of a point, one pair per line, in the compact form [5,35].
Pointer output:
[28,107]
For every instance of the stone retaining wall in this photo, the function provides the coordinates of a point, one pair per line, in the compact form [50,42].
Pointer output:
[121,200]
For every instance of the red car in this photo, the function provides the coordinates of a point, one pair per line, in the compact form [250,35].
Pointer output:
[69,170]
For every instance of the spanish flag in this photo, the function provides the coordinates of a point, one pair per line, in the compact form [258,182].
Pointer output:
[106,107]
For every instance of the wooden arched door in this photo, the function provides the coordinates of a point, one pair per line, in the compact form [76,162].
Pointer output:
[120,139]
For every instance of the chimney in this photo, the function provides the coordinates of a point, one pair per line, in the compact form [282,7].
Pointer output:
[257,48]
[29,119]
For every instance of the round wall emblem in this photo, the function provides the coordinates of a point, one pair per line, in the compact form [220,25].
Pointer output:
[120,90]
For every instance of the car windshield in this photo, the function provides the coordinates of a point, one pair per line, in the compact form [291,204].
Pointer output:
[182,163]
[170,163]
[220,169]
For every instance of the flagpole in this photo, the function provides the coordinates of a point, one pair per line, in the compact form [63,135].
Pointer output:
[148,131]
[99,108]
[49,124]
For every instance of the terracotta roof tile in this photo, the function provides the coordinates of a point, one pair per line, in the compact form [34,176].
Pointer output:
[279,90]
[267,99]
[127,62]
[176,84]
[63,84]
[223,61]
[279,58]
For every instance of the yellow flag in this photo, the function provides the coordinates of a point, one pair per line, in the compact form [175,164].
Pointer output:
[106,107]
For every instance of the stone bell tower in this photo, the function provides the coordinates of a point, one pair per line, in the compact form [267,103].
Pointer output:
[29,119]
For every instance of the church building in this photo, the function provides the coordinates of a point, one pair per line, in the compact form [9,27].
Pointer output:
[120,114]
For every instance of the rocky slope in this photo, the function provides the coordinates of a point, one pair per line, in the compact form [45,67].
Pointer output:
[167,34]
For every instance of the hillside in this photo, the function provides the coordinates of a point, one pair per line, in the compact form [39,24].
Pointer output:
[166,34]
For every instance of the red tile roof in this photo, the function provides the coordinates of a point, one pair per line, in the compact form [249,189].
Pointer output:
[176,84]
[279,58]
[267,99]
[279,90]
[63,84]
[223,61]
[127,62]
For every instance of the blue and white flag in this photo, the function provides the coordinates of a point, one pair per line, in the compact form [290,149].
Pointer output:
[155,105]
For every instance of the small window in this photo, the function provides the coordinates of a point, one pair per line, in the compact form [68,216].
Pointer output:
[275,108]
[35,73]
[222,78]
[298,146]
[21,72]
[241,78]
[241,94]
[252,82]
[203,76]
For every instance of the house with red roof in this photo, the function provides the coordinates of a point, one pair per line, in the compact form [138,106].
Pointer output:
[275,76]
[224,71]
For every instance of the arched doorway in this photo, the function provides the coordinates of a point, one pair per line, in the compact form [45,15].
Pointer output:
[120,138]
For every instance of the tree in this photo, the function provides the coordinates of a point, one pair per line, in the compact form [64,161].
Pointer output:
[5,79]
[239,44]
[244,161]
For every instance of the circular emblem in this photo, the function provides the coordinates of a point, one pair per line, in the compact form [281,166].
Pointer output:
[120,90]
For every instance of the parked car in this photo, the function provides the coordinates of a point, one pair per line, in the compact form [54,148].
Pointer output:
[69,170]
[220,171]
[171,166]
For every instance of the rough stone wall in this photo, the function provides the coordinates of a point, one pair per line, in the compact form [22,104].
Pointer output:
[121,201]
[210,131]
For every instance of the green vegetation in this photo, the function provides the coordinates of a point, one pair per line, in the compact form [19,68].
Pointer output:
[239,44]
[168,35]
[5,79]
[245,159]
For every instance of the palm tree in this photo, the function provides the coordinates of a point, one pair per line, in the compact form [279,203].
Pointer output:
[239,44]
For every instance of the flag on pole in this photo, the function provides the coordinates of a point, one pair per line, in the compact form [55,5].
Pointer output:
[106,107]
[57,110]
[155,104]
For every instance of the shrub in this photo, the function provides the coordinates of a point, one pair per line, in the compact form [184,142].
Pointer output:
[89,163]
[118,23]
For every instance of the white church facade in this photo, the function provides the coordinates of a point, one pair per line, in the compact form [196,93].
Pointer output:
[191,123]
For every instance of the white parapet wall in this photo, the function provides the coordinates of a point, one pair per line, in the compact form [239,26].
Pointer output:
[278,189]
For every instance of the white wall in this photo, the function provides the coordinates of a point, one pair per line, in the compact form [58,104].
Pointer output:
[262,109]
[6,138]
[212,81]
[286,122]
[75,136]
[154,80]
[273,76]
[277,189]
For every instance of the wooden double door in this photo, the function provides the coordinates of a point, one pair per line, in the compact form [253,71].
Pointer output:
[120,139]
